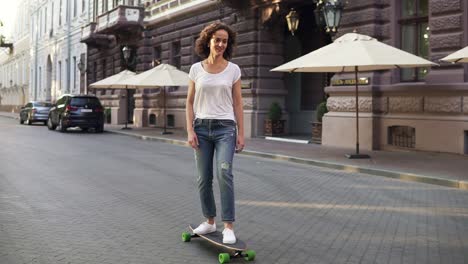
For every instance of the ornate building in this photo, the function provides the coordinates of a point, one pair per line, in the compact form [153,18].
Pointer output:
[167,34]
[14,61]
[411,109]
[420,109]
[56,50]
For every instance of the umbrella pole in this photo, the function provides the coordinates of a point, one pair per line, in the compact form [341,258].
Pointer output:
[126,115]
[357,155]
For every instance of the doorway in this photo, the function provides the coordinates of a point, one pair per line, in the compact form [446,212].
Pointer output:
[305,90]
[130,105]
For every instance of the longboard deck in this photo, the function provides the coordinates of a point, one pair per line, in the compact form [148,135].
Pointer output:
[217,239]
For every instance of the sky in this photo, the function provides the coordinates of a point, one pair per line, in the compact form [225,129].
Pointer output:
[7,16]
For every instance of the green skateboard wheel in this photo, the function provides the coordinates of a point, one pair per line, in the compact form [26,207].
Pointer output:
[249,255]
[186,236]
[224,258]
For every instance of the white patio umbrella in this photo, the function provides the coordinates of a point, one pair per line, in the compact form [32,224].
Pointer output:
[116,81]
[458,56]
[354,53]
[160,76]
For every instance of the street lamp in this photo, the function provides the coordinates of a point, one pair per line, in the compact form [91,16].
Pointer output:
[126,55]
[332,13]
[82,68]
[293,21]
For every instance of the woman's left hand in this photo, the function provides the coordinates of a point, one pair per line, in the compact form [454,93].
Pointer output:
[240,144]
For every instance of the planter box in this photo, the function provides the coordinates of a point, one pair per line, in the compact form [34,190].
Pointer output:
[274,128]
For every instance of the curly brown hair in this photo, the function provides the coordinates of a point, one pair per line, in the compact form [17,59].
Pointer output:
[201,44]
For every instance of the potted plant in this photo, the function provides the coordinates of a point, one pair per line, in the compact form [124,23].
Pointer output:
[273,125]
[317,125]
[107,115]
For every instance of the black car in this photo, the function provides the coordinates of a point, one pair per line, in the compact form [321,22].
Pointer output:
[84,111]
[34,111]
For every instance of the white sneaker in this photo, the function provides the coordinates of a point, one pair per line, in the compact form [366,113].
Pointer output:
[205,228]
[228,236]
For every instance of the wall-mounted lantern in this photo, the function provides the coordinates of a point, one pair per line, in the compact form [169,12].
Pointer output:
[293,21]
[329,11]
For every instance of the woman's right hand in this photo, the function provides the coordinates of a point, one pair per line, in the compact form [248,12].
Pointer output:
[192,139]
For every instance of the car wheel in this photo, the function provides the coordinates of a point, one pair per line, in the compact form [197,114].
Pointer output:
[50,125]
[21,120]
[45,123]
[84,129]
[100,128]
[62,127]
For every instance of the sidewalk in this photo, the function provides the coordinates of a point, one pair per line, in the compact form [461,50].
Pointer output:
[428,167]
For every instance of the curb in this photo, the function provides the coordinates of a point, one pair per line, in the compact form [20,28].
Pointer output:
[9,116]
[348,168]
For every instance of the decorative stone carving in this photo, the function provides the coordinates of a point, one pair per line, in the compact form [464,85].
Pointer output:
[400,104]
[347,104]
[446,104]
[380,105]
[465,104]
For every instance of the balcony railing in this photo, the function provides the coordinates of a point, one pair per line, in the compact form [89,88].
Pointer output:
[88,30]
[93,39]
[121,17]
[169,8]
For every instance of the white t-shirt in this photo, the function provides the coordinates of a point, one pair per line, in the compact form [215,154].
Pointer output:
[213,92]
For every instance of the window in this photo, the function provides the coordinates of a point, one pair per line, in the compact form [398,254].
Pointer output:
[95,71]
[52,17]
[104,6]
[59,71]
[83,6]
[60,13]
[152,119]
[40,22]
[414,29]
[67,75]
[104,62]
[402,136]
[170,121]
[75,7]
[74,74]
[45,21]
[95,11]
[157,56]
[175,54]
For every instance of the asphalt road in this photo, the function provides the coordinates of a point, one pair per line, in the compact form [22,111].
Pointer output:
[105,198]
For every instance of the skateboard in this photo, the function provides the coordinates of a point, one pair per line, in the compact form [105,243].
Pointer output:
[237,250]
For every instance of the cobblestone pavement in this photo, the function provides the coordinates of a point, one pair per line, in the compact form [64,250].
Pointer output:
[104,198]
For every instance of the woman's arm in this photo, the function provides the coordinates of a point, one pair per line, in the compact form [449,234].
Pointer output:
[189,115]
[239,113]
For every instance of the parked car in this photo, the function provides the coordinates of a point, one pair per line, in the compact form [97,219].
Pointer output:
[84,111]
[34,111]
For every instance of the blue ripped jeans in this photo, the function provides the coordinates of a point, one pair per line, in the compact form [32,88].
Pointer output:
[216,139]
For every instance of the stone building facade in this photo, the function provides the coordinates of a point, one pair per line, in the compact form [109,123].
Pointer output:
[169,34]
[415,109]
[56,50]
[14,62]
[422,109]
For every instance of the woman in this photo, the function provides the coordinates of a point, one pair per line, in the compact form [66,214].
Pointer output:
[213,111]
